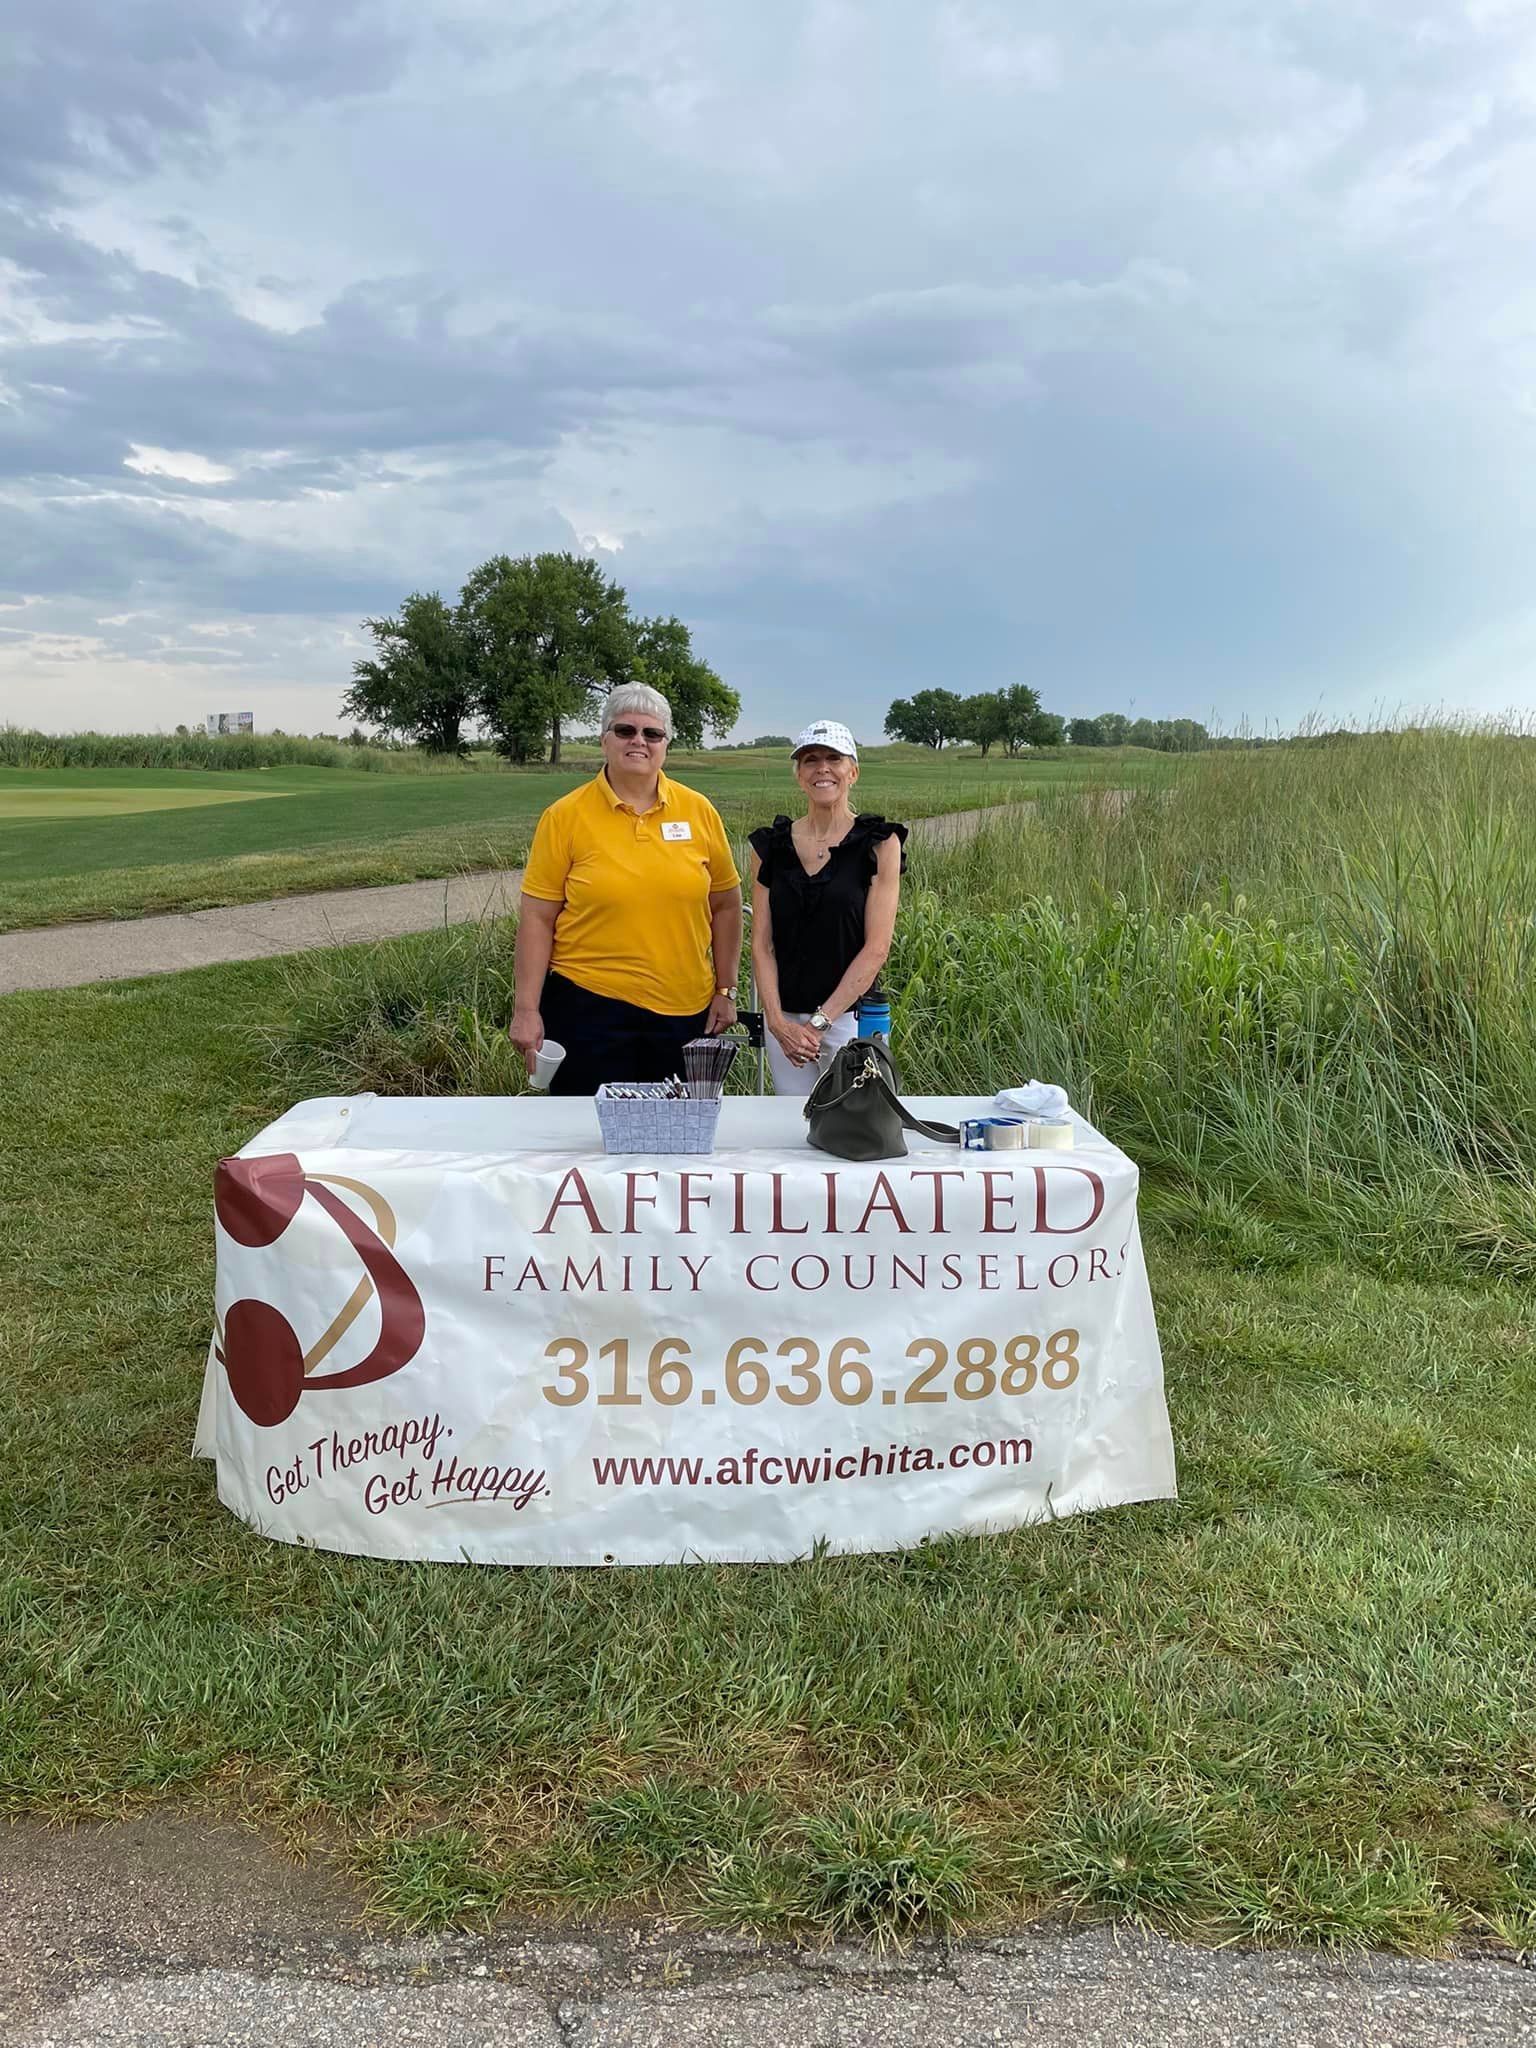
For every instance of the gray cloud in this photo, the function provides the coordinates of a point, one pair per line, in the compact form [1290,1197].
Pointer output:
[95,90]
[384,368]
[1178,354]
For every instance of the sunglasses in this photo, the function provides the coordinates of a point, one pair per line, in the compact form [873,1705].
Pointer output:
[653,733]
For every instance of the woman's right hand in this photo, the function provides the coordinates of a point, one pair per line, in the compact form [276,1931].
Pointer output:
[526,1032]
[801,1044]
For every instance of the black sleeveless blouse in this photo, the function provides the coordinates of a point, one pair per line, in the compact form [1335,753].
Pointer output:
[818,920]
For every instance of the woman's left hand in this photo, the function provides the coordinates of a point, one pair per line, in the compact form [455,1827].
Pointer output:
[722,1015]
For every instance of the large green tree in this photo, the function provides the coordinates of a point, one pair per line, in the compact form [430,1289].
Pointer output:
[1185,736]
[1169,735]
[926,719]
[420,681]
[1021,707]
[549,633]
[1047,729]
[664,658]
[986,719]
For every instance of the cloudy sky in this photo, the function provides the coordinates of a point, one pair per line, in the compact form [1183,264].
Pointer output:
[1176,356]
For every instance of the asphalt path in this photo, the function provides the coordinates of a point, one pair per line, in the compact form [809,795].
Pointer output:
[121,949]
[187,1932]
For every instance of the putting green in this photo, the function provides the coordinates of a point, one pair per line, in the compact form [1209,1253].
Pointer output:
[117,803]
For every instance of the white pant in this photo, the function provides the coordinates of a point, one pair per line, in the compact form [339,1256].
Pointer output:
[788,1079]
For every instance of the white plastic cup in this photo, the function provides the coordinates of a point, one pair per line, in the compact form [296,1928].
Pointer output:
[545,1061]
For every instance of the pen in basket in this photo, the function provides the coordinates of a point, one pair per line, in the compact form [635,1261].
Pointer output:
[706,1062]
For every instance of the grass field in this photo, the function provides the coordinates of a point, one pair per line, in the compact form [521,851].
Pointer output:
[113,842]
[82,805]
[1297,1705]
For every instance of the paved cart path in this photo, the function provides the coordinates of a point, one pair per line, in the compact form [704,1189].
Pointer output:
[117,949]
[171,1932]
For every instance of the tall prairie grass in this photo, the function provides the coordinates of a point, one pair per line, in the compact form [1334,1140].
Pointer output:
[1297,985]
[21,748]
[1278,825]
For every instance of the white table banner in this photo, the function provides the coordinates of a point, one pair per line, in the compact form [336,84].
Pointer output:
[458,1330]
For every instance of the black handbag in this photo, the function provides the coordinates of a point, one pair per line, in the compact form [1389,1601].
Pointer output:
[855,1112]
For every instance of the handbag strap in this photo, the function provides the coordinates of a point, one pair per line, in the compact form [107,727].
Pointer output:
[948,1134]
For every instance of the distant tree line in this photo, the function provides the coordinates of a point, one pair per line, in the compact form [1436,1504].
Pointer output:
[1011,719]
[1014,719]
[530,649]
[1162,735]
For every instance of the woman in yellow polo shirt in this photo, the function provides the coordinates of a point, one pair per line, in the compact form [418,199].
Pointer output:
[629,934]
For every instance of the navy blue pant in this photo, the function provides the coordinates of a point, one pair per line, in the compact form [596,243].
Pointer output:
[606,1040]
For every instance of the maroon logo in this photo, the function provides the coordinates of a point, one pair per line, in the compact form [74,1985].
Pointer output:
[267,1365]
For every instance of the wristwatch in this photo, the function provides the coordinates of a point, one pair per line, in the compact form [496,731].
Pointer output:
[820,1021]
[728,993]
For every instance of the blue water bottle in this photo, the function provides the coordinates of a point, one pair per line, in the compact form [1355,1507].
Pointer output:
[874,1015]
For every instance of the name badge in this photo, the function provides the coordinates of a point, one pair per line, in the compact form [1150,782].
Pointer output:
[680,829]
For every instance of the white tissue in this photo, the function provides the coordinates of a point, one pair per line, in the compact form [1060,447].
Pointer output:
[1040,1098]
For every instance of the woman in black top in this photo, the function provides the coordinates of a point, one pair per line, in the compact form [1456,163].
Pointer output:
[824,894]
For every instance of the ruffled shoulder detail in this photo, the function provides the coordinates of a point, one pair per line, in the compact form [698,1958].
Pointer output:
[874,830]
[767,841]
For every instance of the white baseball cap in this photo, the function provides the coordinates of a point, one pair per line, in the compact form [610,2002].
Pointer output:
[826,732]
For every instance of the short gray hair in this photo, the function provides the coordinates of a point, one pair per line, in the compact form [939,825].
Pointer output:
[637,698]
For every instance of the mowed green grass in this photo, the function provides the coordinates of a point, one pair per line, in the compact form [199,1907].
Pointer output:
[1298,1704]
[178,817]
[132,841]
[27,806]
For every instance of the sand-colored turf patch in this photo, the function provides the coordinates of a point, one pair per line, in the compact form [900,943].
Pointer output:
[29,804]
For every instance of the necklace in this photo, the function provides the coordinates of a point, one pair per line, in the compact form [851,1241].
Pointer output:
[816,853]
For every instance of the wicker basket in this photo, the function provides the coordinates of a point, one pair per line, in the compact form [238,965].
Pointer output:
[655,1122]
